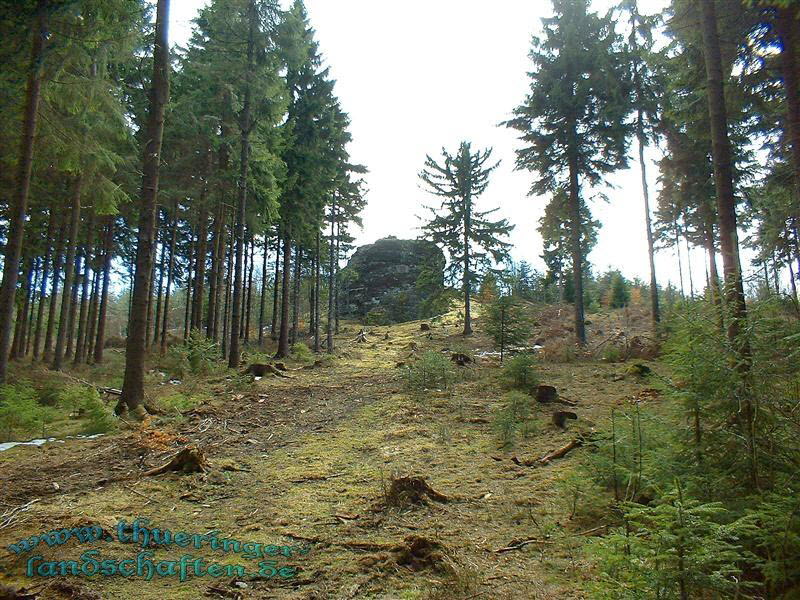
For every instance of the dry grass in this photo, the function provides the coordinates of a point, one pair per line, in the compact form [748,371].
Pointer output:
[310,458]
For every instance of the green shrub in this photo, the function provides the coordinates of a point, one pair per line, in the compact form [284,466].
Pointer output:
[302,353]
[678,548]
[73,397]
[179,403]
[197,356]
[612,354]
[519,373]
[99,418]
[20,412]
[202,353]
[513,417]
[433,370]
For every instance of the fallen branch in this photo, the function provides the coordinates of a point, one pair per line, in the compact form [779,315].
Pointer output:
[8,516]
[561,452]
[368,546]
[522,544]
[541,461]
[316,478]
[138,493]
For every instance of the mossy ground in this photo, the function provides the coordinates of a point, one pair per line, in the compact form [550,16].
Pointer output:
[307,460]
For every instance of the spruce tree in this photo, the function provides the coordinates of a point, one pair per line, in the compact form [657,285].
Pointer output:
[133,384]
[573,122]
[465,232]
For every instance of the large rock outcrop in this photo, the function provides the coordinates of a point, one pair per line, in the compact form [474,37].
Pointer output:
[391,280]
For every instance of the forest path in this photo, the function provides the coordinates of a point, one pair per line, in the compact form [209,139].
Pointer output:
[306,461]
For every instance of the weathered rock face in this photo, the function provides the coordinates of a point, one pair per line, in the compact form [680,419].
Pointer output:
[389,281]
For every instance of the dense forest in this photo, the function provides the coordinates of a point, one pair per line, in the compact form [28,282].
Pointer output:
[188,211]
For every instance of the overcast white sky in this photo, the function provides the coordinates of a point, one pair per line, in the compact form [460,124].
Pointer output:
[421,74]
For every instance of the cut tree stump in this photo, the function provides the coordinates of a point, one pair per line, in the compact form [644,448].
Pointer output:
[461,359]
[405,491]
[547,394]
[189,460]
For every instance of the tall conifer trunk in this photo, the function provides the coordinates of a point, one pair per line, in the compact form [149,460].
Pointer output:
[726,210]
[133,385]
[577,251]
[273,330]
[331,282]
[283,338]
[200,268]
[298,255]
[108,247]
[245,126]
[263,299]
[80,342]
[655,313]
[69,274]
[467,273]
[170,276]
[317,290]
[159,289]
[49,241]
[788,26]
[19,204]
[51,312]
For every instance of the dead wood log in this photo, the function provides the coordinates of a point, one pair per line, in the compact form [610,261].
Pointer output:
[521,544]
[561,452]
[543,460]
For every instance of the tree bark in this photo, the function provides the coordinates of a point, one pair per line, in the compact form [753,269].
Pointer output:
[331,280]
[726,213]
[263,299]
[228,284]
[18,343]
[212,276]
[245,126]
[787,25]
[220,276]
[69,274]
[335,276]
[32,314]
[577,251]
[655,313]
[170,276]
[273,331]
[317,287]
[51,313]
[156,324]
[49,241]
[200,262]
[133,385]
[80,341]
[94,303]
[19,205]
[467,274]
[100,339]
[249,308]
[296,294]
[187,312]
[283,338]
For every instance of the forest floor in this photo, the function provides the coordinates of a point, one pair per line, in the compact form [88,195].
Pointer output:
[306,462]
